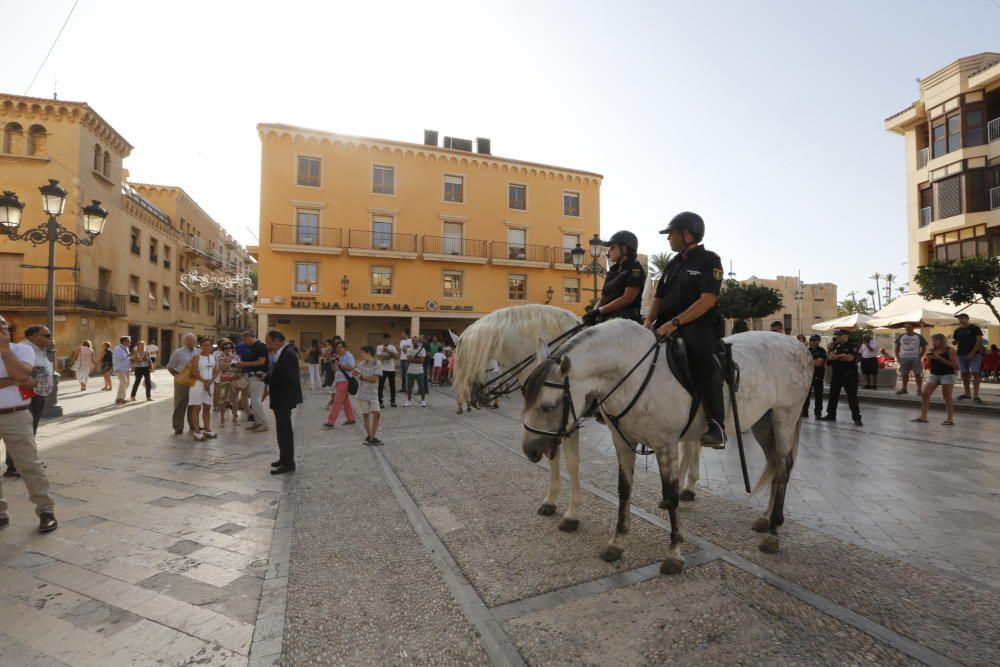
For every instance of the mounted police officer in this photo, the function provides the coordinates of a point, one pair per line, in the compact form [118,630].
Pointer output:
[621,296]
[685,305]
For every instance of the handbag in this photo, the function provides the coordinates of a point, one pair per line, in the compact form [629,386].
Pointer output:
[186,377]
[352,385]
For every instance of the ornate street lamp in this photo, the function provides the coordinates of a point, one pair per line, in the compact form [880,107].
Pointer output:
[51,232]
[549,293]
[594,268]
[345,283]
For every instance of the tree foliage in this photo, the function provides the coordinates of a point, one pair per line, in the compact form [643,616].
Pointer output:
[741,302]
[961,282]
[851,306]
[658,263]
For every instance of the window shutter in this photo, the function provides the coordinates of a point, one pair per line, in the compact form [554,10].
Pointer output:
[949,199]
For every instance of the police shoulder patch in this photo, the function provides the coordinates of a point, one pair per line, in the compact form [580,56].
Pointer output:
[637,272]
[717,274]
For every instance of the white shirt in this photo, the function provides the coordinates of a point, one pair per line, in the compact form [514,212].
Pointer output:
[404,348]
[152,349]
[438,359]
[10,397]
[869,349]
[206,366]
[390,363]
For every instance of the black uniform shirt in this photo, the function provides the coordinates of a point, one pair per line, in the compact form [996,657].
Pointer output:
[684,280]
[846,347]
[818,353]
[624,274]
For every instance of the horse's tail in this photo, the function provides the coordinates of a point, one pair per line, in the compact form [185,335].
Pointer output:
[773,455]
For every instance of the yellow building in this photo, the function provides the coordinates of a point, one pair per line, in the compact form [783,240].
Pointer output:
[360,237]
[952,137]
[127,282]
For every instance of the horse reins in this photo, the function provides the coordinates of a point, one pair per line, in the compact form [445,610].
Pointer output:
[508,382]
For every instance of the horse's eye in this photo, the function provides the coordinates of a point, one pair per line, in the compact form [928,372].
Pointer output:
[548,408]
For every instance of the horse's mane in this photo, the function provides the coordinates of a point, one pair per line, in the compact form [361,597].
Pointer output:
[507,335]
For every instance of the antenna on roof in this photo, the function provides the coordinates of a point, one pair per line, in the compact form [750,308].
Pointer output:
[55,88]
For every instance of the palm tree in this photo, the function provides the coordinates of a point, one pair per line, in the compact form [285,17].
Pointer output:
[876,277]
[889,280]
[871,293]
[658,263]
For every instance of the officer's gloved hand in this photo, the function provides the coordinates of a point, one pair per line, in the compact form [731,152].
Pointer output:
[592,317]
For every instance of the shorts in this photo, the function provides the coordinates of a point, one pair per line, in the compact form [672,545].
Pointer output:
[941,379]
[368,407]
[974,366]
[198,395]
[907,366]
[869,366]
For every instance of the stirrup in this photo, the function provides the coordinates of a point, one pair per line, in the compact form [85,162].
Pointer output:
[715,436]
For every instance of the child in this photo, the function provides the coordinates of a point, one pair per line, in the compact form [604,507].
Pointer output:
[438,366]
[368,373]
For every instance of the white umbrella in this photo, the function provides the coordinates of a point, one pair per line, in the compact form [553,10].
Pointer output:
[921,316]
[852,321]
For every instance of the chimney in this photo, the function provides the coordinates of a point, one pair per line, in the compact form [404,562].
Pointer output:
[483,145]
[430,138]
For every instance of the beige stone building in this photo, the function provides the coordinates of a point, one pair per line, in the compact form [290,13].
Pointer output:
[803,304]
[128,280]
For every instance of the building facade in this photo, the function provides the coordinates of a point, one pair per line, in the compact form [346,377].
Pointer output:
[952,135]
[361,237]
[128,281]
[803,304]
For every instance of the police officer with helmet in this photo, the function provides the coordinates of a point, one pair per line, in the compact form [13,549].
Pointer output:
[621,296]
[685,305]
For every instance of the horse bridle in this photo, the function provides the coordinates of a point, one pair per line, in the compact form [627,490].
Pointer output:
[508,382]
[565,429]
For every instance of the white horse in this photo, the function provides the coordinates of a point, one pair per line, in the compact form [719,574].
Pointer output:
[510,335]
[775,374]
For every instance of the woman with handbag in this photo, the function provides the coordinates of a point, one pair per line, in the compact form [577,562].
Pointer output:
[84,363]
[142,365]
[204,367]
[343,362]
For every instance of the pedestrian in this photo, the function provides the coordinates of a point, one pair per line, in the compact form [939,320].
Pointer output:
[415,372]
[943,362]
[121,359]
[843,357]
[405,345]
[285,387]
[438,367]
[425,379]
[621,296]
[910,347]
[255,365]
[802,339]
[343,364]
[312,361]
[991,364]
[969,339]
[777,327]
[143,367]
[869,361]
[369,374]
[325,368]
[16,367]
[84,363]
[205,368]
[387,355]
[819,373]
[36,338]
[226,393]
[154,352]
[107,364]
[178,361]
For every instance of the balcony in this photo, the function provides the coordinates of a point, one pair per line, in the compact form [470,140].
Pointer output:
[302,238]
[926,216]
[364,243]
[995,198]
[923,157]
[519,254]
[450,249]
[69,298]
[993,130]
[562,258]
[195,245]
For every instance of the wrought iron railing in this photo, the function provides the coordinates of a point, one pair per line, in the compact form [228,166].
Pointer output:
[926,216]
[447,245]
[17,295]
[993,130]
[363,239]
[565,256]
[519,251]
[325,237]
[995,198]
[923,157]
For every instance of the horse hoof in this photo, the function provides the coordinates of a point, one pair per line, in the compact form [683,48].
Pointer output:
[569,525]
[687,495]
[547,510]
[672,565]
[769,544]
[612,553]
[761,524]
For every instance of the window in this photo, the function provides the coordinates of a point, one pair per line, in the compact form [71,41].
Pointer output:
[166,257]
[954,132]
[133,289]
[962,243]
[152,294]
[381,280]
[517,197]
[384,180]
[381,232]
[153,257]
[308,172]
[306,226]
[106,168]
[306,277]
[13,137]
[453,238]
[570,241]
[135,242]
[516,241]
[517,287]
[37,139]
[11,271]
[940,142]
[454,188]
[452,284]
[571,203]
[949,197]
[97,157]
[166,298]
[571,290]
[975,131]
[978,191]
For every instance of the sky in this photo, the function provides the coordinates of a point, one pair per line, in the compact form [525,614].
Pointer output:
[766,117]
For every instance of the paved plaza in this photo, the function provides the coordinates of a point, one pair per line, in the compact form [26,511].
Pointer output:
[429,550]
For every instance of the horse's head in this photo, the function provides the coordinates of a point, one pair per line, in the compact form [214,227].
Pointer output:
[548,413]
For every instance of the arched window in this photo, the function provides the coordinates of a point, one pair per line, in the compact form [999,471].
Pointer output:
[37,140]
[107,164]
[13,138]
[97,157]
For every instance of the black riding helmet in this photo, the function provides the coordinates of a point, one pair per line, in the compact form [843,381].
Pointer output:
[627,239]
[689,221]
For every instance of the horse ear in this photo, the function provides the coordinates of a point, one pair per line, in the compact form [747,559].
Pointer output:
[543,350]
[564,365]
[454,337]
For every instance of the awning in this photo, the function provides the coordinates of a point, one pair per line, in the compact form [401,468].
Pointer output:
[853,321]
[911,302]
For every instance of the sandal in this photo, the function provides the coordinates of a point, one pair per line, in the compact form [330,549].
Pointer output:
[947,422]
[919,420]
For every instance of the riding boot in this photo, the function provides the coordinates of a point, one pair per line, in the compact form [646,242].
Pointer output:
[715,411]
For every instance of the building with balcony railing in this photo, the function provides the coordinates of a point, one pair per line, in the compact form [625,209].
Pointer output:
[952,143]
[362,236]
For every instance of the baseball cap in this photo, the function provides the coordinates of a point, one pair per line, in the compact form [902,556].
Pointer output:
[840,332]
[815,337]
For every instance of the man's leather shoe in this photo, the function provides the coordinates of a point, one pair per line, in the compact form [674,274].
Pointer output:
[281,470]
[857,422]
[47,522]
[715,436]
[275,464]
[4,522]
[11,472]
[828,418]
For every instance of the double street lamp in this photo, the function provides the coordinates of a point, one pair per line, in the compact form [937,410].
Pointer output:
[595,268]
[51,232]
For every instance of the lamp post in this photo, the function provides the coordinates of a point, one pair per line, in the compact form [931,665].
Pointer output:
[345,283]
[51,232]
[799,296]
[594,268]
[549,293]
